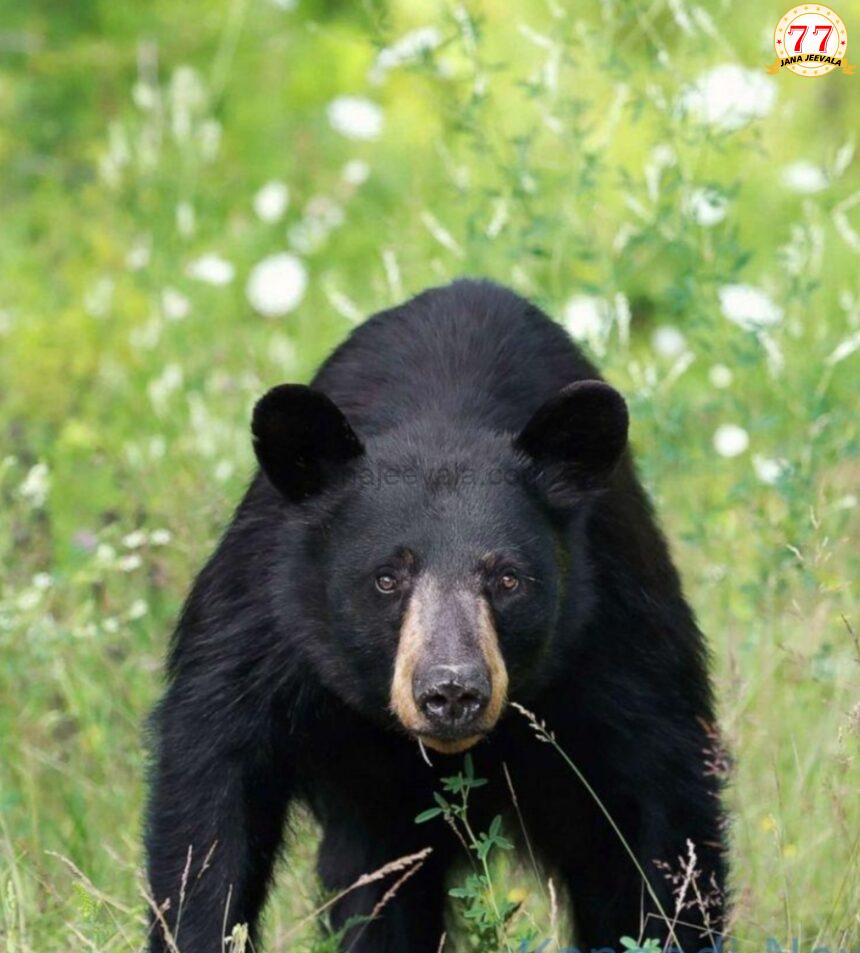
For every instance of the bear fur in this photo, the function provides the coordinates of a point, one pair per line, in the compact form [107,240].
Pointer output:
[460,424]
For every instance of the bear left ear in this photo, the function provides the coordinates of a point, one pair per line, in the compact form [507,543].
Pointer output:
[576,438]
[301,438]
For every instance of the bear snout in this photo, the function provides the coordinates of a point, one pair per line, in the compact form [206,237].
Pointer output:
[452,697]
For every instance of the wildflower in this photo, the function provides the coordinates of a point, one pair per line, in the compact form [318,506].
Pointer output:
[174,304]
[129,563]
[271,201]
[134,540]
[411,46]
[355,172]
[138,256]
[277,284]
[137,610]
[668,341]
[162,387]
[98,299]
[729,96]
[804,177]
[355,117]
[211,269]
[224,470]
[585,318]
[748,307]
[768,470]
[185,219]
[29,599]
[105,554]
[160,537]
[730,440]
[720,376]
[706,207]
[36,484]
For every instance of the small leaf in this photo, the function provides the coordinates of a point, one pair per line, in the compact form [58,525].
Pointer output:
[428,815]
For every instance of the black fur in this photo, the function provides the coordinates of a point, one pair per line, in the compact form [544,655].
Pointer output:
[281,663]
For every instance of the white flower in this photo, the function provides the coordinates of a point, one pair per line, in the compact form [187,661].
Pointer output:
[210,139]
[137,610]
[36,484]
[585,318]
[409,47]
[271,201]
[277,284]
[187,97]
[729,96]
[355,117]
[98,298]
[42,581]
[668,341]
[706,207]
[721,376]
[160,537]
[174,304]
[767,469]
[162,387]
[355,172]
[29,599]
[105,554]
[211,269]
[224,470]
[138,256]
[730,440]
[129,563]
[145,96]
[185,219]
[134,540]
[804,177]
[748,307]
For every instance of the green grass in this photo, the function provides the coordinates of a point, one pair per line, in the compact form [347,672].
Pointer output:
[543,148]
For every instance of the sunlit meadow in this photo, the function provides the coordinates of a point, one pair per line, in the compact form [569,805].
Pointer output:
[199,199]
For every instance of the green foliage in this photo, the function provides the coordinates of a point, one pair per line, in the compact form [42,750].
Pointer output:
[698,231]
[491,919]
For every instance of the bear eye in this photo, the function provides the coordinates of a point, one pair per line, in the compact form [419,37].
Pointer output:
[509,581]
[386,583]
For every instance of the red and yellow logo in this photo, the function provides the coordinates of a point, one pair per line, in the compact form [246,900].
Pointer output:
[810,40]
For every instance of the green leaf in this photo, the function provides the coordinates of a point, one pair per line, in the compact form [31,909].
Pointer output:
[428,815]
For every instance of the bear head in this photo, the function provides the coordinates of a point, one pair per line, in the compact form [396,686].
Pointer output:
[438,553]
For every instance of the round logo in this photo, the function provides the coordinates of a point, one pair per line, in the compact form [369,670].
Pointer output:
[810,40]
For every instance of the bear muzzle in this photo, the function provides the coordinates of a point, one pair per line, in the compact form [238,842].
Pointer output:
[450,680]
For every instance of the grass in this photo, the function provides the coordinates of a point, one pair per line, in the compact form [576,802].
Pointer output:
[575,155]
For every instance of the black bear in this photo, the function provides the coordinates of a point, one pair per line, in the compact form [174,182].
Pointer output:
[445,521]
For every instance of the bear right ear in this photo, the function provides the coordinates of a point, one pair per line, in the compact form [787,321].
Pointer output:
[301,438]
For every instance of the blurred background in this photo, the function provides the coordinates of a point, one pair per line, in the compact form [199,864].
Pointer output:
[198,200]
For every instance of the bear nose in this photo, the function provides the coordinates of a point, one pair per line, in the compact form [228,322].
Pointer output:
[452,695]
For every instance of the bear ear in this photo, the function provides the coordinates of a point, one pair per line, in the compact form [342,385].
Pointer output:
[576,438]
[301,438]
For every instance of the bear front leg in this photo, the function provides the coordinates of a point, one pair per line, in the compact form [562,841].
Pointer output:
[410,921]
[672,822]
[215,819]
